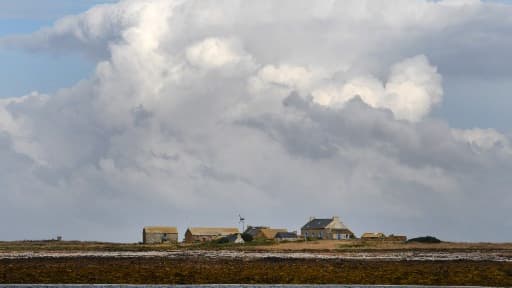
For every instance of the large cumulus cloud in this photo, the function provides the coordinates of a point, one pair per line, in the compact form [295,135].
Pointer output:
[200,110]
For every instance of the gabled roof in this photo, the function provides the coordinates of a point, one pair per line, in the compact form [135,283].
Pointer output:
[317,223]
[213,231]
[161,229]
[270,233]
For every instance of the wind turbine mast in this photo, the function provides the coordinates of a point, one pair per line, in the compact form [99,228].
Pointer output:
[242,221]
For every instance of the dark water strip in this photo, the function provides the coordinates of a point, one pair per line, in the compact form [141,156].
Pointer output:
[220,286]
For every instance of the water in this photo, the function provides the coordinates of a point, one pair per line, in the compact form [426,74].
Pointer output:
[221,286]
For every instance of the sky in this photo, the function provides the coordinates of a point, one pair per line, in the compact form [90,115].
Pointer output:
[393,115]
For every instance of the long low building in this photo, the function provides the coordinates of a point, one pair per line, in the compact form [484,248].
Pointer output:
[205,234]
[159,234]
[263,232]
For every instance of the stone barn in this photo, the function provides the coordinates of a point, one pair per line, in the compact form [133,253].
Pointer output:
[205,234]
[159,234]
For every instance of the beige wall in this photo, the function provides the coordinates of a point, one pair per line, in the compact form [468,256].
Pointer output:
[315,233]
[189,238]
[152,238]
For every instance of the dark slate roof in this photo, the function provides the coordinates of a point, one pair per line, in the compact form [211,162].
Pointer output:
[286,235]
[317,224]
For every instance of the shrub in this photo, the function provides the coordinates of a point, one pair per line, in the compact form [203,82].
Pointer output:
[222,240]
[425,239]
[247,237]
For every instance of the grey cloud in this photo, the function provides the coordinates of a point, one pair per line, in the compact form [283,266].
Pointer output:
[198,111]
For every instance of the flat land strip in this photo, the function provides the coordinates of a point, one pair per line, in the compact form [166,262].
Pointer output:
[317,262]
[313,246]
[162,270]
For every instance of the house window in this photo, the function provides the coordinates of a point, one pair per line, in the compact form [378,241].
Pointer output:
[312,234]
[320,234]
[306,234]
[339,236]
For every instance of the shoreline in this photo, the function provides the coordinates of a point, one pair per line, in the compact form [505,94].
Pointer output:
[495,256]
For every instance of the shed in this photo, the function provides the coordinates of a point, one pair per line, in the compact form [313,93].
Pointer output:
[286,236]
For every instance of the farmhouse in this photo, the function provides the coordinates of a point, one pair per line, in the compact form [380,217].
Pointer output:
[330,228]
[159,234]
[263,232]
[205,234]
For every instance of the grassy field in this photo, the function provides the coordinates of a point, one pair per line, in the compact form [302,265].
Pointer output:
[358,245]
[49,245]
[193,270]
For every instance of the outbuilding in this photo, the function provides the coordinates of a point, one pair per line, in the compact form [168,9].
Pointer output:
[263,232]
[205,234]
[286,236]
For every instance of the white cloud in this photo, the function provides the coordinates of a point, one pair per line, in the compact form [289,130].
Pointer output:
[413,87]
[284,79]
[213,53]
[226,108]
